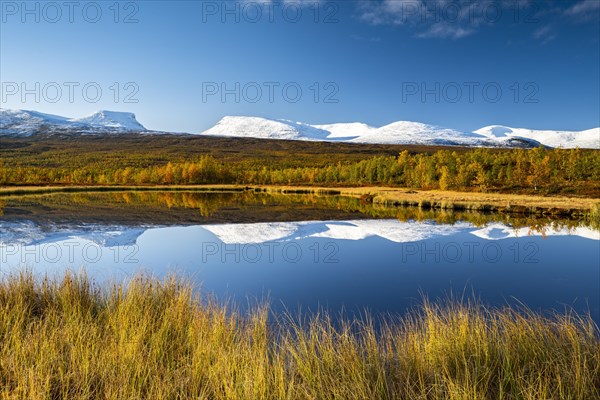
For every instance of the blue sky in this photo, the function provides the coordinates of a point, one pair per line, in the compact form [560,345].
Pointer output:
[182,65]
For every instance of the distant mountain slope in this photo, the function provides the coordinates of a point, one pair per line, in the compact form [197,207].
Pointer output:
[589,139]
[402,132]
[111,120]
[347,130]
[407,132]
[264,128]
[27,123]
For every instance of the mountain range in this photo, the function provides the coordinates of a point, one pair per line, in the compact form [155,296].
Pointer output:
[29,123]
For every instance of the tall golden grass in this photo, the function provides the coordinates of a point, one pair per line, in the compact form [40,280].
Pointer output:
[150,339]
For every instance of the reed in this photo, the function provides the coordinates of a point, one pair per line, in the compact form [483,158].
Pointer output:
[151,339]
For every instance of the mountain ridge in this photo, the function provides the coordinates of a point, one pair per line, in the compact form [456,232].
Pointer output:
[402,132]
[30,123]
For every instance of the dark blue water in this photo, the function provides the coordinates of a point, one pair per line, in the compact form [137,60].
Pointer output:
[380,266]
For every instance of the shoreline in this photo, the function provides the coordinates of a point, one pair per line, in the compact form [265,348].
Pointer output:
[378,195]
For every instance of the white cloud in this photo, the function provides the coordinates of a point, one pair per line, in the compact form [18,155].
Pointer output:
[456,19]
[431,18]
[545,34]
[585,9]
[443,30]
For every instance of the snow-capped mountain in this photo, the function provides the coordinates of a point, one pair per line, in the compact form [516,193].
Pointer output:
[565,139]
[27,123]
[111,120]
[346,130]
[263,128]
[407,132]
[402,132]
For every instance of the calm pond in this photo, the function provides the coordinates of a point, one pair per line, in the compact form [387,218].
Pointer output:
[306,251]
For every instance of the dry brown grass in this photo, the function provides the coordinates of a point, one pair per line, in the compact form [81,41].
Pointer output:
[67,339]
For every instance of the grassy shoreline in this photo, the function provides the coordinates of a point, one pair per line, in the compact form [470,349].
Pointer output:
[157,339]
[389,196]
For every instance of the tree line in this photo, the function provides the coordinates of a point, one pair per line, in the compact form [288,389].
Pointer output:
[538,170]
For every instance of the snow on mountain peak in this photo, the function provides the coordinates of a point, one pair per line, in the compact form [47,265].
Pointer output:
[346,130]
[402,132]
[495,131]
[264,128]
[111,119]
[26,123]
[408,132]
[564,139]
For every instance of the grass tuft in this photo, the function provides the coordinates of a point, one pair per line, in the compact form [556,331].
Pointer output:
[68,339]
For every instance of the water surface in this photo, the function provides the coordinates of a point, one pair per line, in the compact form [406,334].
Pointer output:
[307,252]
